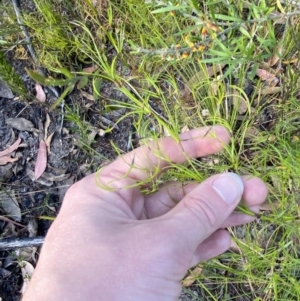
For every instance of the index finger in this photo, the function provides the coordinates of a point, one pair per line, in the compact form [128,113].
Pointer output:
[148,160]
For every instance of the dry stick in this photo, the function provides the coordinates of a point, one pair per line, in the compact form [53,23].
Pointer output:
[16,243]
[109,122]
[5,219]
[17,8]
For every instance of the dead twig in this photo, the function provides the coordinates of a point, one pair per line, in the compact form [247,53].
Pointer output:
[5,219]
[16,243]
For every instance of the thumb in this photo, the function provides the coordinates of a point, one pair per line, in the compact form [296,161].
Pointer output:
[203,210]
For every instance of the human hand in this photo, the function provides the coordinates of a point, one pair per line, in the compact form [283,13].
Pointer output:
[119,244]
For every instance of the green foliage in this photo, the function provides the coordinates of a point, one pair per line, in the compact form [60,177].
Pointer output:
[10,77]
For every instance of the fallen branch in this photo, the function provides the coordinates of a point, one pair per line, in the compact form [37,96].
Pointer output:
[16,243]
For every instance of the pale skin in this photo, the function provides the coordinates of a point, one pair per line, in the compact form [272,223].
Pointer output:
[121,244]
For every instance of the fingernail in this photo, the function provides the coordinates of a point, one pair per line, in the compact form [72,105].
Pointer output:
[229,187]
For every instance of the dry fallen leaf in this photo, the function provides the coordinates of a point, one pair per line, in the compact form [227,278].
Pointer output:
[87,95]
[41,180]
[275,58]
[271,90]
[234,247]
[87,106]
[184,129]
[57,171]
[91,69]
[268,207]
[32,227]
[239,102]
[10,149]
[265,75]
[212,26]
[46,126]
[21,124]
[10,205]
[41,160]
[27,253]
[7,159]
[46,178]
[48,142]
[291,61]
[27,270]
[251,132]
[40,94]
[54,178]
[189,280]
